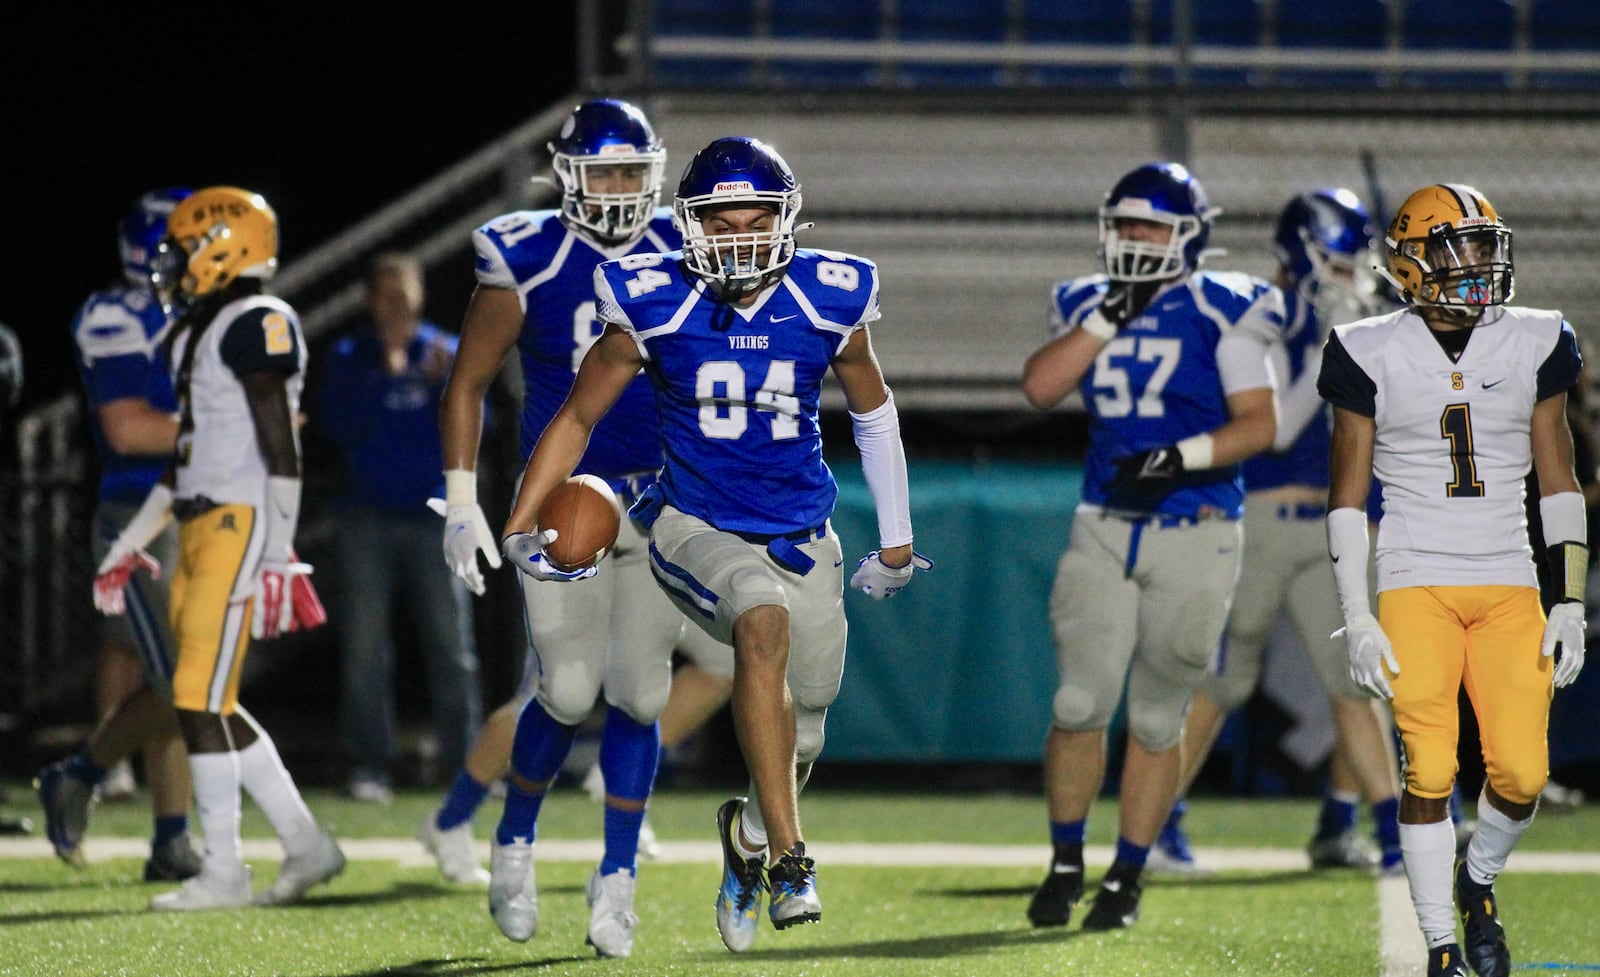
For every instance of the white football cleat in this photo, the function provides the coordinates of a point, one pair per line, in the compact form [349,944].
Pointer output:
[454,850]
[228,889]
[300,872]
[513,893]
[611,917]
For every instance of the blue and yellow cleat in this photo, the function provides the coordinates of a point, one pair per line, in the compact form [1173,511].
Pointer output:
[1446,961]
[739,899]
[793,879]
[1480,923]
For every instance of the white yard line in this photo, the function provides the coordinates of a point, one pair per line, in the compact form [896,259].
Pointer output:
[1399,940]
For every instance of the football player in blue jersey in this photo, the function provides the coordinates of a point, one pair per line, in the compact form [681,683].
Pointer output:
[735,334]
[1172,365]
[1323,244]
[535,291]
[118,332]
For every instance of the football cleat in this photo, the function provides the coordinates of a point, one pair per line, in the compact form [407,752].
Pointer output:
[1445,961]
[209,890]
[513,892]
[1485,939]
[611,917]
[1060,891]
[1171,855]
[453,849]
[793,881]
[173,861]
[1116,905]
[739,898]
[300,872]
[66,801]
[1347,849]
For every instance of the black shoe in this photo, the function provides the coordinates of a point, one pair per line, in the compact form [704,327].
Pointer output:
[1480,920]
[1057,894]
[1116,905]
[175,861]
[1445,961]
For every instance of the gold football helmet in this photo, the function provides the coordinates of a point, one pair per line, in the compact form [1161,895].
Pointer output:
[223,234]
[1447,247]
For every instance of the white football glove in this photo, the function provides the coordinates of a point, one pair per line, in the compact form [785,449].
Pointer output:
[466,534]
[113,574]
[1370,651]
[526,553]
[278,584]
[882,582]
[1565,628]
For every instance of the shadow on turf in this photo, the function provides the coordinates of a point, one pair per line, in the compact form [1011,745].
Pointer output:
[1196,881]
[920,948]
[453,967]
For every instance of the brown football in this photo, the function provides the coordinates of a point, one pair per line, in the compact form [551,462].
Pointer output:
[586,516]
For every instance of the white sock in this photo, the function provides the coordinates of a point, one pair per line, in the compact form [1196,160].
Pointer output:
[273,790]
[216,801]
[751,829]
[1492,842]
[1430,851]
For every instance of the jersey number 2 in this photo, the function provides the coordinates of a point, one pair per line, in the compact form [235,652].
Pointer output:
[1455,426]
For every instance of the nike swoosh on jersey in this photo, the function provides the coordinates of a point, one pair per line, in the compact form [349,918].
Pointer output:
[1493,383]
[780,318]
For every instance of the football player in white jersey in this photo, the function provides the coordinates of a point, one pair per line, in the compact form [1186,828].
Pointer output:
[1450,402]
[736,333]
[616,636]
[235,491]
[1171,362]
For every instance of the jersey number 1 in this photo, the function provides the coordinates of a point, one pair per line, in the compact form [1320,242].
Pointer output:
[1455,426]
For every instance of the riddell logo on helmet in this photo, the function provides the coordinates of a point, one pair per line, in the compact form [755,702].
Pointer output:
[733,186]
[619,149]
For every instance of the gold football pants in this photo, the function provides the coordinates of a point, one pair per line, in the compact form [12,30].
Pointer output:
[1487,638]
[215,550]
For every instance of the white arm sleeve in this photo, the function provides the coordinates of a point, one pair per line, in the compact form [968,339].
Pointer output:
[1299,404]
[149,521]
[1347,547]
[1564,520]
[883,462]
[281,514]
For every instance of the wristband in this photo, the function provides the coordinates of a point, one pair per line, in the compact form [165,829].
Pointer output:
[1196,452]
[461,486]
[1096,324]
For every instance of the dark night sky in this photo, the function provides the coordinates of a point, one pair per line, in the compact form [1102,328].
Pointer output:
[327,123]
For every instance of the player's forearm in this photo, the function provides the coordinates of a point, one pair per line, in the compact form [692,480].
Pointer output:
[133,427]
[461,424]
[559,449]
[1056,369]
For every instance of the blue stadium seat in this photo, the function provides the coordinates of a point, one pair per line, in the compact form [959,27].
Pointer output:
[1467,25]
[1361,25]
[704,18]
[825,20]
[982,21]
[1214,23]
[1107,22]
[1567,26]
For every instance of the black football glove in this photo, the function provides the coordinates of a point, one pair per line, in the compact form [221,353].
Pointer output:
[1124,300]
[1148,476]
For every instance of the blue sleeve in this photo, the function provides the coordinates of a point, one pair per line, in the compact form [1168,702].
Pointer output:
[1342,383]
[1559,371]
[118,378]
[261,339]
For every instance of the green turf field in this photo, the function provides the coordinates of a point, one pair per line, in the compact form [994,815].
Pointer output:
[385,916]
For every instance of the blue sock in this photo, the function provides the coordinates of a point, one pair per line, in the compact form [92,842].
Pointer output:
[629,754]
[622,840]
[1067,832]
[1456,816]
[168,828]
[1131,854]
[537,751]
[1386,828]
[80,767]
[1338,815]
[460,802]
[520,819]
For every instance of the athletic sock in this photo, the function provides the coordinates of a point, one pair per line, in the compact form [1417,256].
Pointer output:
[1430,851]
[216,800]
[461,802]
[263,774]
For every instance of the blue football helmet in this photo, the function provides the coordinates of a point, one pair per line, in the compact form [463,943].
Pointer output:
[141,234]
[738,171]
[1324,246]
[1162,193]
[610,166]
